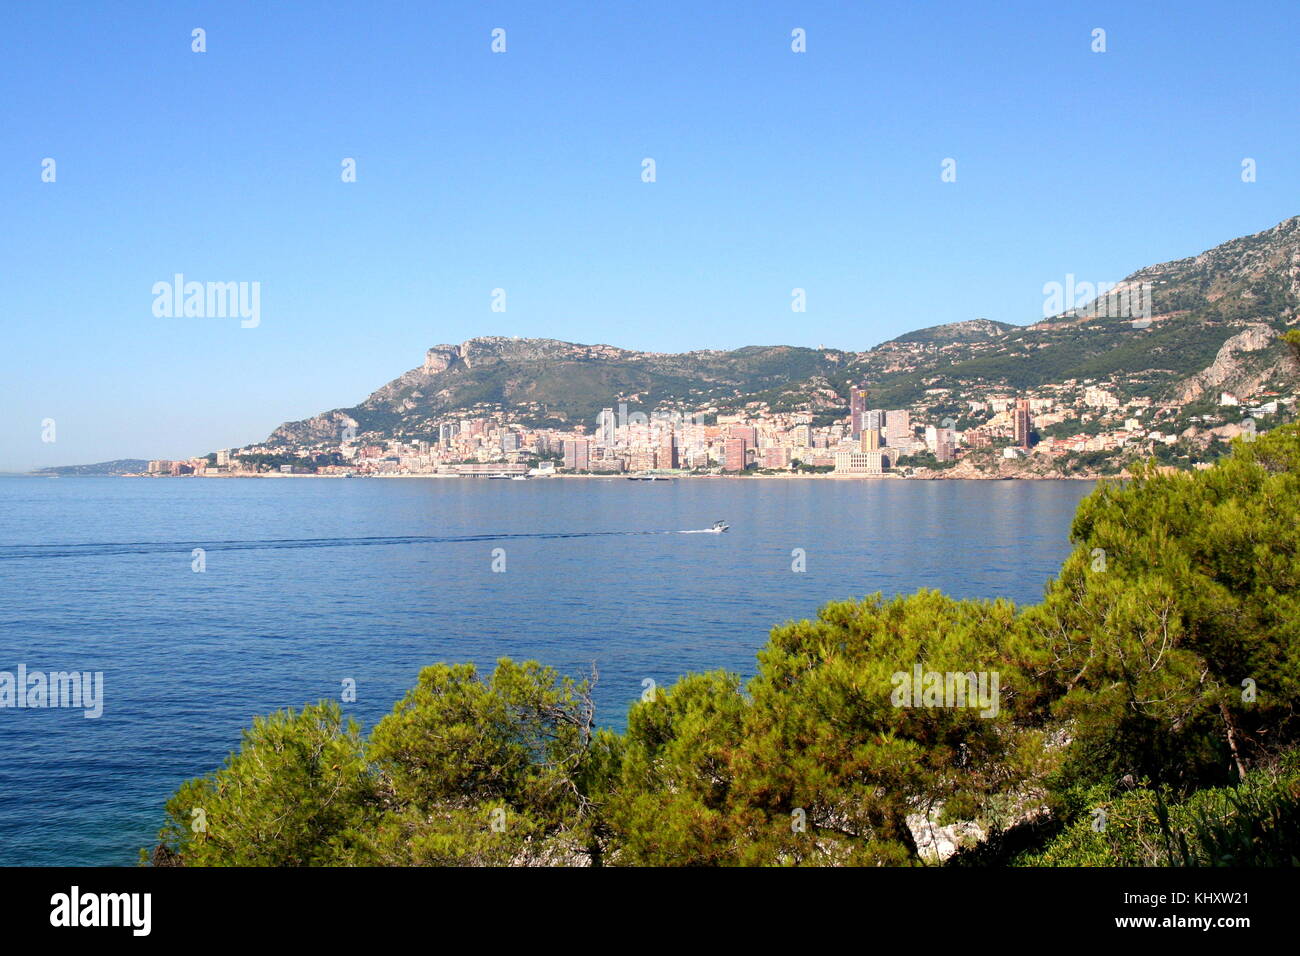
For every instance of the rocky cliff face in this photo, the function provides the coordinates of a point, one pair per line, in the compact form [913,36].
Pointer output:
[1245,363]
[440,358]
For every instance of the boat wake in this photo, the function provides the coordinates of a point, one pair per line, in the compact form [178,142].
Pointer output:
[29,552]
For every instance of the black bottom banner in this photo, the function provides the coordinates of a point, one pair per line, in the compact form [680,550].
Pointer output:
[336,905]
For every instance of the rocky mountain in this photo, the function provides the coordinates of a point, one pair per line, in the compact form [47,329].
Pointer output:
[544,380]
[1169,348]
[1175,332]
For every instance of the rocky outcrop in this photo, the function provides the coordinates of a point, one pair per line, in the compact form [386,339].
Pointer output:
[935,843]
[440,358]
[970,330]
[1234,370]
[325,427]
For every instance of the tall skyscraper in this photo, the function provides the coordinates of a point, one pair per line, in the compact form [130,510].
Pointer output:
[605,426]
[857,410]
[666,453]
[1023,424]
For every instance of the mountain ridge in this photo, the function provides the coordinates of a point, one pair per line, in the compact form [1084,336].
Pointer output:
[1197,304]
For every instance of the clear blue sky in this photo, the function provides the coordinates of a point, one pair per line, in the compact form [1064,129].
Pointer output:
[522,170]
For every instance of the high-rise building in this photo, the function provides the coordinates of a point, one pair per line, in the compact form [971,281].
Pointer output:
[666,453]
[941,442]
[605,427]
[1023,424]
[898,428]
[748,432]
[577,454]
[737,453]
[857,410]
[870,439]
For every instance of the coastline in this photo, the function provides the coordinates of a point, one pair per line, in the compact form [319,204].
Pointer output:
[828,477]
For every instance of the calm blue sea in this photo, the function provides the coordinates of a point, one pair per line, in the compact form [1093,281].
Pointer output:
[311,582]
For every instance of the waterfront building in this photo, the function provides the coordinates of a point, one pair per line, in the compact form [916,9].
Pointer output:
[666,454]
[577,454]
[776,457]
[736,454]
[852,462]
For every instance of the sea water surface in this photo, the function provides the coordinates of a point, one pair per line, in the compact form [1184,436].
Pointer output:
[312,582]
